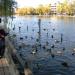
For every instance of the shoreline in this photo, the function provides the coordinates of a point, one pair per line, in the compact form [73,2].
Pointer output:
[45,15]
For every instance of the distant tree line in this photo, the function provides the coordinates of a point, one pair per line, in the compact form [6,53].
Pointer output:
[7,7]
[40,10]
[66,8]
[62,8]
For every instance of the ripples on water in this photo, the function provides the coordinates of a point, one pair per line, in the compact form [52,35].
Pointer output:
[46,60]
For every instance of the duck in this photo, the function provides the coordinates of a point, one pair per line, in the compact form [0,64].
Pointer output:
[33,30]
[57,41]
[13,28]
[21,38]
[63,48]
[19,28]
[47,43]
[49,50]
[44,47]
[38,32]
[32,38]
[52,55]
[44,29]
[14,35]
[23,45]
[53,29]
[49,22]
[65,64]
[74,49]
[51,36]
[20,47]
[26,37]
[40,45]
[73,53]
[59,52]
[52,46]
[34,52]
[37,40]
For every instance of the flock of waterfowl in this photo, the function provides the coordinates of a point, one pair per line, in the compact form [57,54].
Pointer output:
[38,45]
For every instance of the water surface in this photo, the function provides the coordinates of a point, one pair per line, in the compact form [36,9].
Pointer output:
[32,36]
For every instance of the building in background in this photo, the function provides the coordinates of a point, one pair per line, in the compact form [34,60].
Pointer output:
[53,8]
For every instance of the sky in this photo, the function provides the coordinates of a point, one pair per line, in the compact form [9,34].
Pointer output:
[35,3]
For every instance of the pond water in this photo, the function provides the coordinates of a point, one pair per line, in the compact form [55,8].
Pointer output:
[46,42]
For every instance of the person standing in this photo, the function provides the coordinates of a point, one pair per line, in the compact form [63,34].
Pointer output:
[2,42]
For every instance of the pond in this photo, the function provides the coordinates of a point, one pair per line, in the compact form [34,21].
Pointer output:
[48,43]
